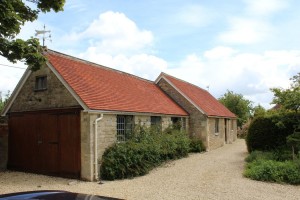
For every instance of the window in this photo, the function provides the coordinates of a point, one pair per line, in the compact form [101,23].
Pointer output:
[40,83]
[176,121]
[216,125]
[184,123]
[232,124]
[124,127]
[156,122]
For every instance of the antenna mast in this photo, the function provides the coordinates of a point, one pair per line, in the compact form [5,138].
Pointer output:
[44,35]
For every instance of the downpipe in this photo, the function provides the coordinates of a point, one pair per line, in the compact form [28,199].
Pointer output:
[96,147]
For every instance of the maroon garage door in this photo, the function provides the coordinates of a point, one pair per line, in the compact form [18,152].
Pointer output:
[45,142]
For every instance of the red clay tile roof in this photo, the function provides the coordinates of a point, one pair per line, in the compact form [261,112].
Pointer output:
[200,97]
[102,88]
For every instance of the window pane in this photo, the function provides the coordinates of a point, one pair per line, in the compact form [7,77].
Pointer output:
[176,121]
[124,127]
[41,83]
[216,125]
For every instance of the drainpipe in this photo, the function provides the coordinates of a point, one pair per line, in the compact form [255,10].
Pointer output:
[96,146]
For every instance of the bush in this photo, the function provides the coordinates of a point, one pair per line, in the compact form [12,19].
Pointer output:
[259,155]
[242,132]
[142,153]
[270,132]
[273,171]
[196,145]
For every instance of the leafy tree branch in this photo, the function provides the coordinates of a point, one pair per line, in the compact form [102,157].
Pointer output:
[13,15]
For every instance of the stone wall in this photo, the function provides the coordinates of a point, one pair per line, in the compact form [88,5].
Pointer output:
[107,130]
[87,167]
[219,139]
[55,96]
[233,129]
[216,140]
[165,122]
[3,146]
[142,120]
[106,136]
[107,133]
[197,120]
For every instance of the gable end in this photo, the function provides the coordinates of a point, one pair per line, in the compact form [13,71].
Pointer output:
[27,97]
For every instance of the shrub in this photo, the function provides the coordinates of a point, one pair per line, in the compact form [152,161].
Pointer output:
[259,155]
[270,132]
[273,171]
[293,141]
[142,153]
[242,132]
[196,145]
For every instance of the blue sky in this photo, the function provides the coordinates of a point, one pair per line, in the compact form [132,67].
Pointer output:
[246,46]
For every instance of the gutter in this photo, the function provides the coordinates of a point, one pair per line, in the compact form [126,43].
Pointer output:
[96,147]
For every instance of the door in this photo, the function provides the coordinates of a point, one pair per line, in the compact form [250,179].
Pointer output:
[69,124]
[22,142]
[45,142]
[48,144]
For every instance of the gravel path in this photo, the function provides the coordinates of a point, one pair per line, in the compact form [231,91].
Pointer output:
[213,175]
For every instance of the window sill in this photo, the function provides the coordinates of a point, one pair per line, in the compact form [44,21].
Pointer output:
[39,90]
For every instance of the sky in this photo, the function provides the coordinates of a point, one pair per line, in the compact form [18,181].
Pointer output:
[245,46]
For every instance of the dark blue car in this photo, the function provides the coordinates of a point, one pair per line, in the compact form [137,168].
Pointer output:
[52,195]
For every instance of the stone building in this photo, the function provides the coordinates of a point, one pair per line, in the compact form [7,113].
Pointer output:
[62,117]
[208,118]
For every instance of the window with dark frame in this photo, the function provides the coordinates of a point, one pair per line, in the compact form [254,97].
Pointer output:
[183,123]
[216,125]
[176,121]
[156,122]
[40,83]
[124,127]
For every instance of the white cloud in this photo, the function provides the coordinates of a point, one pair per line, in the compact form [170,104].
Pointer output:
[245,31]
[114,33]
[265,7]
[195,15]
[250,74]
[219,52]
[28,29]
[116,41]
[9,76]
[75,5]
[143,65]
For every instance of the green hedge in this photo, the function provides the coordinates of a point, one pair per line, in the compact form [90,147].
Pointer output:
[142,153]
[273,166]
[270,132]
[274,171]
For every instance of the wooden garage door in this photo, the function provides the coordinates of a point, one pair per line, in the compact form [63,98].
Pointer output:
[45,142]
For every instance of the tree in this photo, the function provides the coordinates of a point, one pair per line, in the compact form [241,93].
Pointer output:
[237,104]
[259,111]
[4,100]
[13,15]
[288,99]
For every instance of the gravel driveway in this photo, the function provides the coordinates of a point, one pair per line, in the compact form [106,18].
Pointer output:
[212,175]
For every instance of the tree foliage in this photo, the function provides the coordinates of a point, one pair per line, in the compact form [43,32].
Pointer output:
[288,99]
[259,111]
[237,104]
[13,15]
[4,100]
